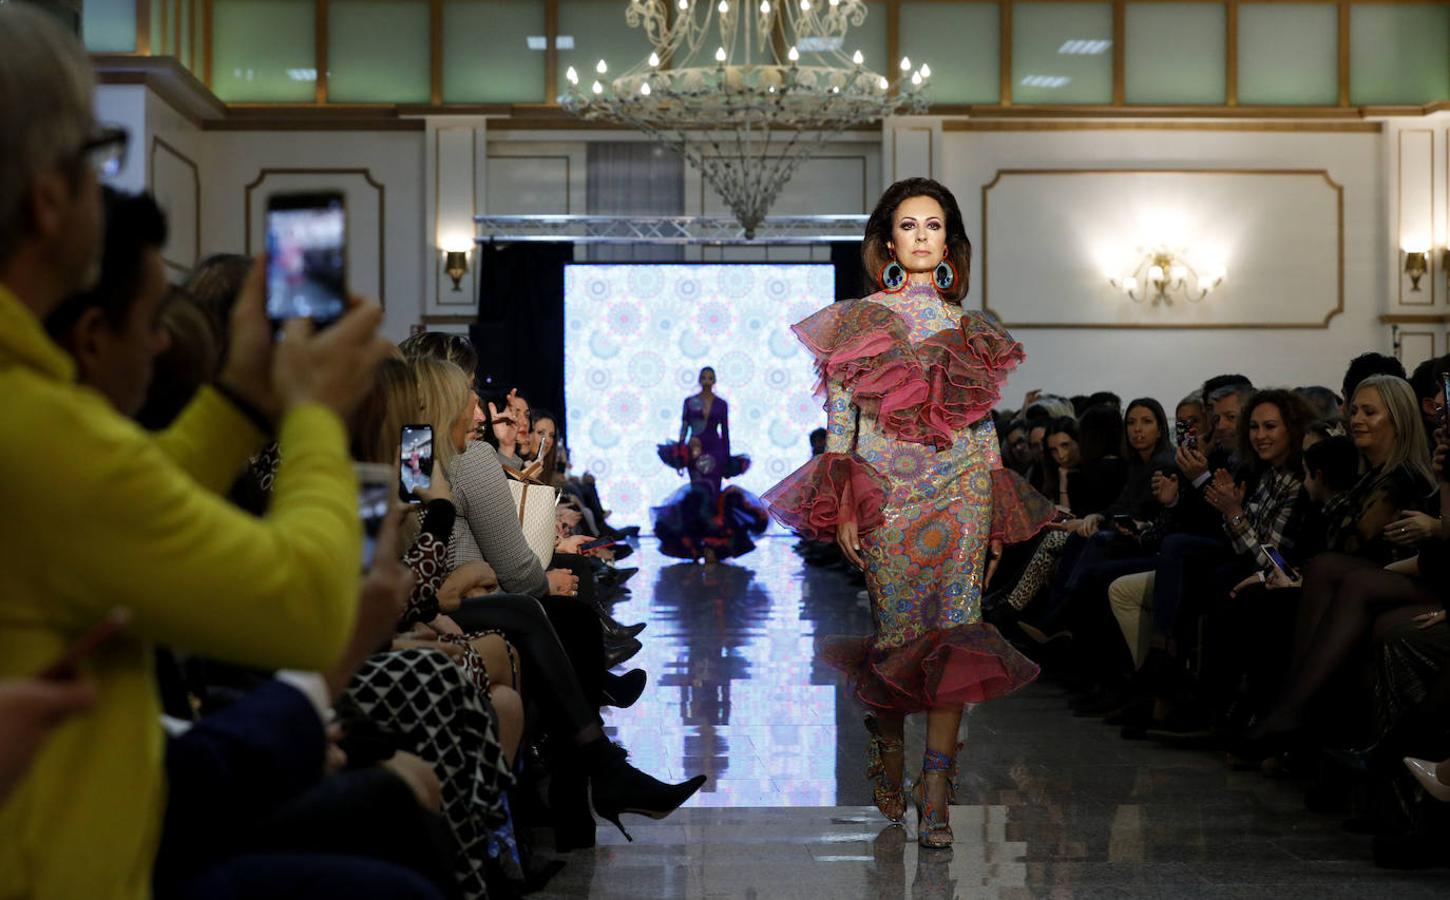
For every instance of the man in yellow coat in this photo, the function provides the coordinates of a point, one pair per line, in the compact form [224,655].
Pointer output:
[101,514]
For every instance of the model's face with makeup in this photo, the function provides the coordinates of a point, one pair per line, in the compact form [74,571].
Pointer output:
[919,234]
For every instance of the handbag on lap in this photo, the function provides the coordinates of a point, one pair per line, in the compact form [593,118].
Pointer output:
[535,501]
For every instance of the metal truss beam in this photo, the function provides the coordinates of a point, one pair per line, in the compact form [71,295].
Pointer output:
[673,230]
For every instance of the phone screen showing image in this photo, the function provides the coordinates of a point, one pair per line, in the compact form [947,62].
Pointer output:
[372,505]
[306,260]
[1280,563]
[1445,401]
[415,466]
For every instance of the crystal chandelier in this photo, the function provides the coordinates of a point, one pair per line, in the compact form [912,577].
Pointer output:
[746,93]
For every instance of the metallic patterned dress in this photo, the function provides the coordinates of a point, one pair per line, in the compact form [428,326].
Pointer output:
[910,381]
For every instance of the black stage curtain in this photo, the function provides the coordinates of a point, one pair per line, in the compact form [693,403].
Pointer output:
[850,276]
[520,330]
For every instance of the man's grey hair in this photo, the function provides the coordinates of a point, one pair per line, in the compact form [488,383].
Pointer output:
[1193,399]
[1242,391]
[45,108]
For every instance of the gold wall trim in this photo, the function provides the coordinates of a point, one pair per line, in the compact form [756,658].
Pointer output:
[1415,319]
[159,144]
[367,175]
[1344,53]
[1299,126]
[143,27]
[1149,326]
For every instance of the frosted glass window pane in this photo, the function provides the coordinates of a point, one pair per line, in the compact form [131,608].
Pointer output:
[597,31]
[959,42]
[869,37]
[157,46]
[1288,54]
[1174,53]
[508,69]
[198,40]
[1399,54]
[1062,53]
[263,50]
[109,26]
[183,9]
[377,51]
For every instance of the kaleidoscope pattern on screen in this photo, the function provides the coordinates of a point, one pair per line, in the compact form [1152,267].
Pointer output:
[635,339]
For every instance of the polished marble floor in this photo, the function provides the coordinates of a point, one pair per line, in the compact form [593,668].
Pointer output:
[1052,806]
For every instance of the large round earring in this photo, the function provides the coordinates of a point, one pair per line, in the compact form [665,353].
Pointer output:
[944,276]
[892,276]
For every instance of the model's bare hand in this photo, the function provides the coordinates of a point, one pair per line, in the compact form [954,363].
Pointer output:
[849,540]
[994,558]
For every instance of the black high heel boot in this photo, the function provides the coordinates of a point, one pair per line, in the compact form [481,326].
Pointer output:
[616,787]
[612,627]
[621,691]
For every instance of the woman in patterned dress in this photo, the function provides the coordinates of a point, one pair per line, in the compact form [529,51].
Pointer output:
[704,520]
[913,490]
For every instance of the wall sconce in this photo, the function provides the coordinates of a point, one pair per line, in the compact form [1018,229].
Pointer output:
[455,258]
[455,263]
[1417,263]
[1163,274]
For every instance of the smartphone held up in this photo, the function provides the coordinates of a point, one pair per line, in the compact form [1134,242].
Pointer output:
[306,257]
[415,464]
[375,488]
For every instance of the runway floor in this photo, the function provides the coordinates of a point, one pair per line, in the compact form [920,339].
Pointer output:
[1051,806]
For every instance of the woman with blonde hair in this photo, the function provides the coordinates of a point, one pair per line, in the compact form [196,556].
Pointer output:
[1375,526]
[560,642]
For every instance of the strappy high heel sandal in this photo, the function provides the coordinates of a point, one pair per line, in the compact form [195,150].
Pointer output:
[890,797]
[933,823]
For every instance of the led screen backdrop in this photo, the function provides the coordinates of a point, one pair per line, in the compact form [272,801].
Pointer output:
[635,339]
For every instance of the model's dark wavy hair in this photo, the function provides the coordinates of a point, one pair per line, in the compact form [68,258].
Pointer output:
[876,252]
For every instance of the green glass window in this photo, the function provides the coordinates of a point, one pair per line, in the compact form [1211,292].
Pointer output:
[591,31]
[377,51]
[109,26]
[158,42]
[959,42]
[1175,53]
[263,50]
[1399,54]
[511,68]
[1288,54]
[1062,53]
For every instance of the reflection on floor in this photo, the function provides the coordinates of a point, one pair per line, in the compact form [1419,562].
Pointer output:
[1051,806]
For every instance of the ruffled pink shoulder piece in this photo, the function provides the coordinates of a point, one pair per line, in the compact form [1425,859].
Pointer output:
[924,393]
[809,502]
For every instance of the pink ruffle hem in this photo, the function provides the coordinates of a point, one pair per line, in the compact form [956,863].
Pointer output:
[940,670]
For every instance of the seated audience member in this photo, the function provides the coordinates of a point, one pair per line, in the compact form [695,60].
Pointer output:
[1366,365]
[487,528]
[280,590]
[1190,417]
[1262,504]
[1104,398]
[1325,403]
[1430,393]
[1381,520]
[113,331]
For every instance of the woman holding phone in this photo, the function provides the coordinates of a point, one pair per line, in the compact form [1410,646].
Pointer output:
[912,489]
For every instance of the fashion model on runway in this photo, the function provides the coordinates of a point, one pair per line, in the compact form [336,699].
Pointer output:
[912,489]
[704,520]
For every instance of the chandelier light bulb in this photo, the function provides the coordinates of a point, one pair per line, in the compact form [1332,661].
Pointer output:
[883,83]
[724,7]
[644,89]
[805,5]
[572,75]
[601,67]
[906,64]
[925,70]
[835,2]
[598,88]
[765,7]
[720,55]
[858,58]
[916,79]
[684,5]
[654,59]
[794,55]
